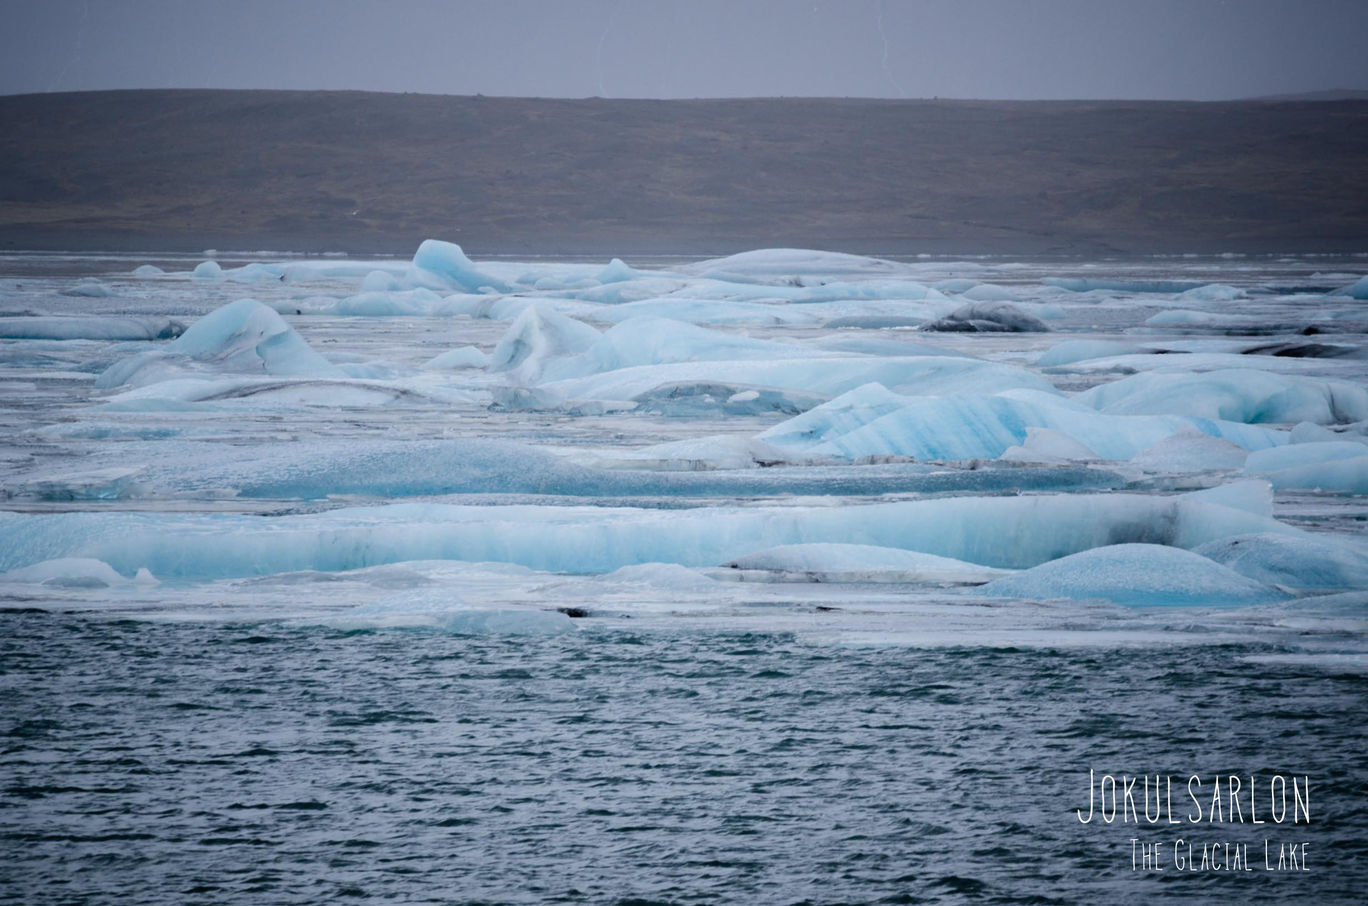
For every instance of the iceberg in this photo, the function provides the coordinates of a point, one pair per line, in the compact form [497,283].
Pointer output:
[242,337]
[207,270]
[1345,476]
[1071,351]
[439,264]
[380,281]
[89,288]
[1191,450]
[535,337]
[383,303]
[873,421]
[1002,532]
[114,483]
[1048,445]
[1303,454]
[1253,495]
[88,327]
[1356,290]
[818,375]
[1238,395]
[1135,575]
[461,357]
[617,271]
[1212,292]
[658,341]
[1304,563]
[859,563]
[988,317]
[778,264]
[67,572]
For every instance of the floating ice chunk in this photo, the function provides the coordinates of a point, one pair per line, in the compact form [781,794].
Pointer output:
[872,421]
[661,575]
[1239,395]
[772,264]
[1212,292]
[866,290]
[1252,495]
[1306,433]
[819,376]
[1071,351]
[461,357]
[834,562]
[703,398]
[380,282]
[89,287]
[439,264]
[207,270]
[982,317]
[475,305]
[148,270]
[1005,532]
[1191,450]
[537,336]
[1135,575]
[616,272]
[875,322]
[656,341]
[1355,290]
[1086,284]
[1303,454]
[624,291]
[1179,317]
[242,337]
[1347,476]
[956,285]
[256,272]
[315,270]
[91,327]
[1047,445]
[442,610]
[67,572]
[1303,562]
[401,303]
[114,483]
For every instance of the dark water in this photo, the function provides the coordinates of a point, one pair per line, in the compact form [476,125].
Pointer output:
[167,763]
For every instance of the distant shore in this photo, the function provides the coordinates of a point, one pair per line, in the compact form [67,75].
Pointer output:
[362,173]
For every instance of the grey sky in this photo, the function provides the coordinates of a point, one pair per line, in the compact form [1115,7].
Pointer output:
[1192,49]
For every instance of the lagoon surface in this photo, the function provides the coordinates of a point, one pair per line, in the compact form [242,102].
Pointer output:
[785,577]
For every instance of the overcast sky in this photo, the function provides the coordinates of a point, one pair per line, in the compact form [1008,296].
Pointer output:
[1189,49]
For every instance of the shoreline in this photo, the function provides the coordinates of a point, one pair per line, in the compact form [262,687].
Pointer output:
[362,173]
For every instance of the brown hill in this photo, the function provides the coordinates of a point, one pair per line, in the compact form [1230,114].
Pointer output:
[313,171]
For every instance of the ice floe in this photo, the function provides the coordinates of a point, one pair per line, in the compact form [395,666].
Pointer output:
[1149,575]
